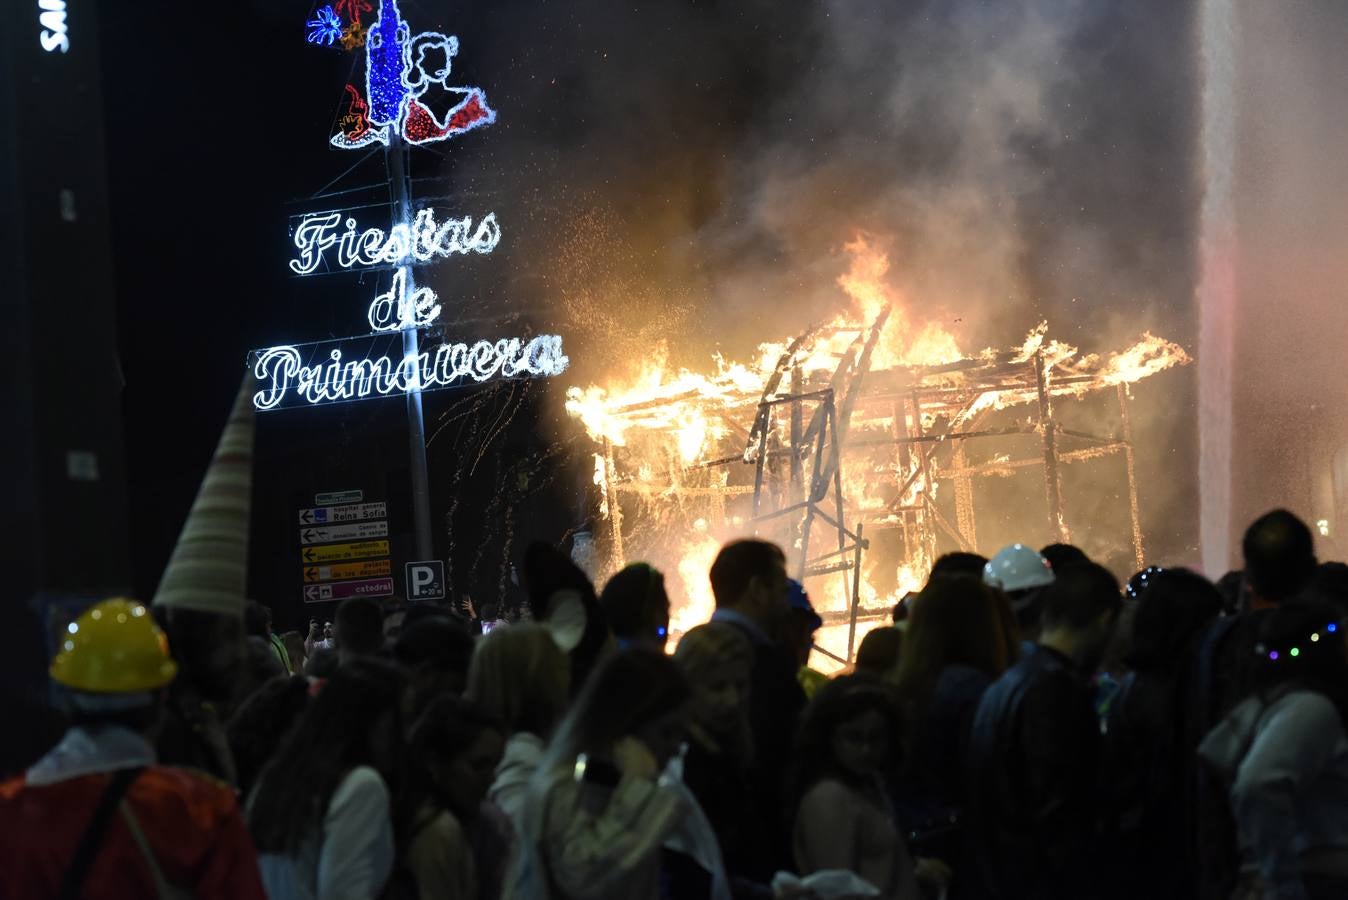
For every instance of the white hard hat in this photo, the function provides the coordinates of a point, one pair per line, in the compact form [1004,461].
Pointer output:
[1017,568]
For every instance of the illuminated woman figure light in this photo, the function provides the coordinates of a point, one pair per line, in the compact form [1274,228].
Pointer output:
[399,69]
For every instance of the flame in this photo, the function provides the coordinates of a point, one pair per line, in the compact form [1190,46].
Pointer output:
[668,432]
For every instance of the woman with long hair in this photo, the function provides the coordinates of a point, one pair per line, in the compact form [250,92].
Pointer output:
[1149,743]
[843,815]
[597,815]
[1284,750]
[519,675]
[320,814]
[717,660]
[453,843]
[959,639]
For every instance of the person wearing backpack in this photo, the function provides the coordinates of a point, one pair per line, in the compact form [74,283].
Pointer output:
[1284,753]
[98,817]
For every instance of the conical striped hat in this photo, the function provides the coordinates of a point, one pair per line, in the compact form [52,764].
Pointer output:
[208,570]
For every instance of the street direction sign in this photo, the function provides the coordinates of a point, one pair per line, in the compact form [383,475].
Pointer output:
[333,498]
[356,531]
[351,513]
[337,552]
[426,580]
[343,571]
[366,587]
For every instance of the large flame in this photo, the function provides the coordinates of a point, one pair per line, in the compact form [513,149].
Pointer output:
[662,430]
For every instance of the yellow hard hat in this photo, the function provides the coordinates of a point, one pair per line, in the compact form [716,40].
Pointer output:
[114,647]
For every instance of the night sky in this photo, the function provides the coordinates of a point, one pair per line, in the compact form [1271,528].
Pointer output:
[707,157]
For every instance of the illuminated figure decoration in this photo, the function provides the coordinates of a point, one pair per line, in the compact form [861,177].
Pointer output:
[355,125]
[326,28]
[352,9]
[399,71]
[353,37]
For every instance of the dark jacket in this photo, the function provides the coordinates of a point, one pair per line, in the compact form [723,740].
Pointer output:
[929,796]
[1032,789]
[775,703]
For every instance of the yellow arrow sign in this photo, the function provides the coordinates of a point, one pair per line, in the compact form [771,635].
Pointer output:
[347,570]
[353,550]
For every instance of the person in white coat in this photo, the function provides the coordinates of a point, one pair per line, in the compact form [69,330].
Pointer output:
[321,812]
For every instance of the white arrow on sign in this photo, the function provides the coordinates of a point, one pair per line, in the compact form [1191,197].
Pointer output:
[331,534]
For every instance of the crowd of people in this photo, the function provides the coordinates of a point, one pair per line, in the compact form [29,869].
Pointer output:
[1027,727]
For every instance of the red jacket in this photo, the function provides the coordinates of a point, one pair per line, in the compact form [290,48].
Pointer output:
[192,824]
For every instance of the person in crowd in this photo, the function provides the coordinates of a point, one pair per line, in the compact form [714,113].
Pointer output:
[98,816]
[796,633]
[1279,563]
[843,817]
[562,598]
[211,653]
[519,675]
[294,644]
[257,623]
[636,607]
[260,666]
[1060,556]
[1284,753]
[717,661]
[1329,584]
[321,813]
[359,629]
[959,562]
[262,722]
[320,637]
[1147,746]
[436,651]
[879,652]
[748,580]
[1022,574]
[958,642]
[1034,749]
[200,602]
[597,812]
[454,843]
[321,664]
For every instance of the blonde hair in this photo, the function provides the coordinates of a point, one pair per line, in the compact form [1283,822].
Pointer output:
[714,643]
[700,653]
[520,675]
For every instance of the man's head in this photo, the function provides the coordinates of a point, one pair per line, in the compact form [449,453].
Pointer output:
[360,628]
[1279,558]
[797,628]
[256,620]
[1079,610]
[749,576]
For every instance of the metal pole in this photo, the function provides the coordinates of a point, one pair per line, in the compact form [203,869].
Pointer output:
[400,186]
[1054,488]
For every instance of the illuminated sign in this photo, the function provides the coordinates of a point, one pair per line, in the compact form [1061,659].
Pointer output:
[52,17]
[294,376]
[399,71]
[421,241]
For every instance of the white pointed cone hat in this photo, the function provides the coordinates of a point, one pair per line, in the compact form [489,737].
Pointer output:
[208,570]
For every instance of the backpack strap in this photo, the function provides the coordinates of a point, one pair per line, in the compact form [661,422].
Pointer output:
[95,833]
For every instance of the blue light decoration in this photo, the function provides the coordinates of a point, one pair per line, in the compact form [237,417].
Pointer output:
[399,71]
[326,28]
